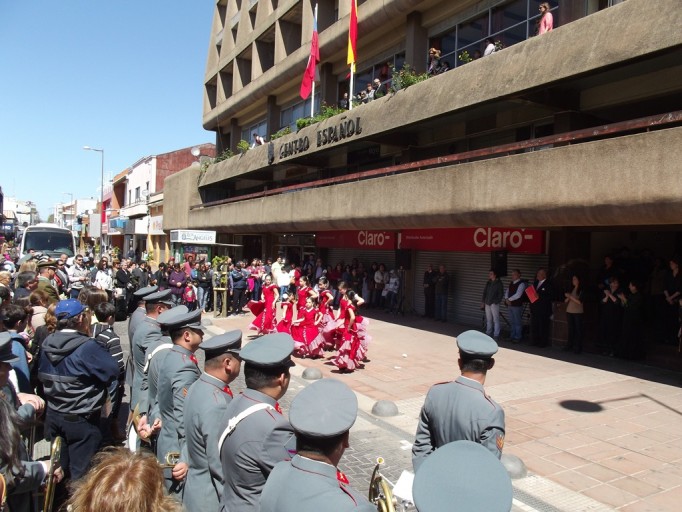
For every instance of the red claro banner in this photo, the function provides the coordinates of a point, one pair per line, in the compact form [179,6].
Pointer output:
[365,239]
[517,240]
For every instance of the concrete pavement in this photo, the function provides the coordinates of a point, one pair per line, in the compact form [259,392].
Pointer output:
[595,433]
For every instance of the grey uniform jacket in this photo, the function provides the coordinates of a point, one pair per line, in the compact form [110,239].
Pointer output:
[135,320]
[456,411]
[177,374]
[248,455]
[205,405]
[146,333]
[305,485]
[152,374]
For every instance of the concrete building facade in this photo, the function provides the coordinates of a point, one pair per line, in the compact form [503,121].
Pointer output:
[572,137]
[135,201]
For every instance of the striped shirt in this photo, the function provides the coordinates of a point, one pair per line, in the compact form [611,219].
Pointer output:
[104,334]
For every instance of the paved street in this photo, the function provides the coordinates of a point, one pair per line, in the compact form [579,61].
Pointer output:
[595,433]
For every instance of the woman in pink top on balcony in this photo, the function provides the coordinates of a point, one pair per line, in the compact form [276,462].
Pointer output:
[546,20]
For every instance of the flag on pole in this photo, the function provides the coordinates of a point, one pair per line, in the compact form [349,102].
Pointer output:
[308,82]
[353,35]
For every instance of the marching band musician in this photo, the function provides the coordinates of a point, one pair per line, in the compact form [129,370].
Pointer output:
[461,409]
[157,350]
[206,402]
[146,332]
[462,476]
[179,370]
[257,434]
[137,316]
[321,415]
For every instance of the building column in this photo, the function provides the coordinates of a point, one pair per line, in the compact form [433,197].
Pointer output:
[328,85]
[273,116]
[235,134]
[416,42]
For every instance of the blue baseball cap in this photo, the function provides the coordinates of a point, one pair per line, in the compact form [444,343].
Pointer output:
[68,309]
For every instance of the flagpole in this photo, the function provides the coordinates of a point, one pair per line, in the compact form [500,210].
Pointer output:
[312,101]
[350,96]
[352,50]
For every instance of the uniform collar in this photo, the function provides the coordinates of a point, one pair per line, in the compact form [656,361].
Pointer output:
[151,320]
[213,381]
[182,350]
[257,396]
[469,382]
[314,466]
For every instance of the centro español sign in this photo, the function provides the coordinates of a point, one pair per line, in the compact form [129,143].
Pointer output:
[335,133]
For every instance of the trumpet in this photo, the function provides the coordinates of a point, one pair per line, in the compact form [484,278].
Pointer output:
[380,493]
[171,459]
[55,454]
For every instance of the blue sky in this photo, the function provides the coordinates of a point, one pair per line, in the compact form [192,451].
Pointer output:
[122,75]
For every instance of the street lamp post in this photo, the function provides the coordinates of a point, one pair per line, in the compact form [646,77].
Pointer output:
[101,208]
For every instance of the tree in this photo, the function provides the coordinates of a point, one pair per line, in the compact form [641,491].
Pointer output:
[50,218]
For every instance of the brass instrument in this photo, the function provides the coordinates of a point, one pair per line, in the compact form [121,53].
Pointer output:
[171,459]
[55,454]
[131,429]
[380,494]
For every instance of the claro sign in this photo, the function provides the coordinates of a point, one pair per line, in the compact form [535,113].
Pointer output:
[364,239]
[519,240]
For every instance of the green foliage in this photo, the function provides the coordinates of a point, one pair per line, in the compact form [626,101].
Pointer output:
[281,133]
[406,77]
[219,265]
[326,111]
[243,146]
[228,153]
[464,57]
[218,261]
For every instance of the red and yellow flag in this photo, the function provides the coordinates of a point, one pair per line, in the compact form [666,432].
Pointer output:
[353,35]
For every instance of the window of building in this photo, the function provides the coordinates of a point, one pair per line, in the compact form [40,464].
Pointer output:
[137,194]
[382,70]
[259,127]
[508,22]
[292,113]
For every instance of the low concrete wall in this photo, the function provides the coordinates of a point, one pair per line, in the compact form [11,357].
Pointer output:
[632,180]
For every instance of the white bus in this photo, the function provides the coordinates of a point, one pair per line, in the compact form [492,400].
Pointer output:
[49,239]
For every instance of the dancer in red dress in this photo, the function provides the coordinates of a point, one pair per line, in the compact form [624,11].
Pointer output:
[289,309]
[304,291]
[308,341]
[352,333]
[327,324]
[265,309]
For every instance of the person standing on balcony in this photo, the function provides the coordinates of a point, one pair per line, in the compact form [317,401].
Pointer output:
[546,20]
[257,140]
